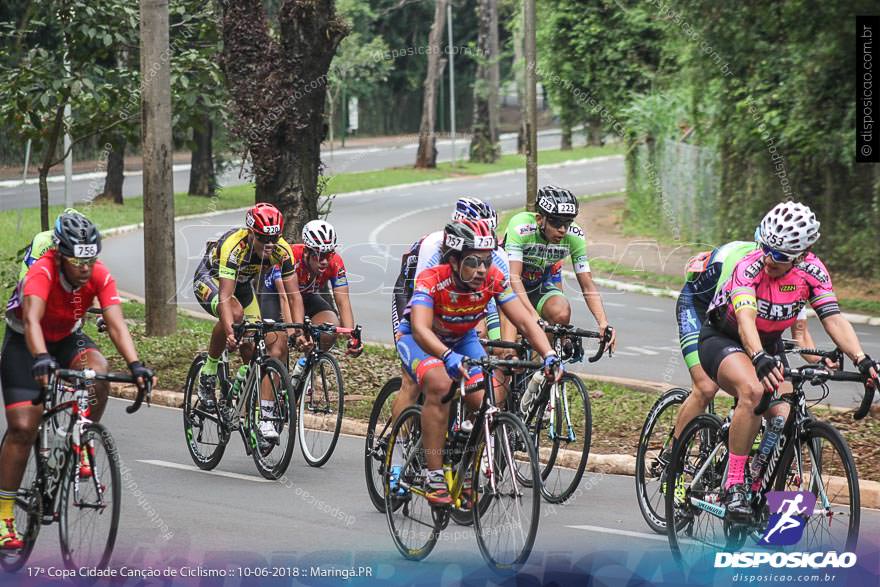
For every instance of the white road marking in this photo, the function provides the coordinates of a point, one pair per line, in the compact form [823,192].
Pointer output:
[626,354]
[647,309]
[642,350]
[215,473]
[614,304]
[628,533]
[671,349]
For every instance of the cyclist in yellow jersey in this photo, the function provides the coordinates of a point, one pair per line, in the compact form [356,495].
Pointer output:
[224,287]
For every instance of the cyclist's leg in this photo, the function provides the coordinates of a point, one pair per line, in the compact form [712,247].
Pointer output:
[553,306]
[78,351]
[703,391]
[689,316]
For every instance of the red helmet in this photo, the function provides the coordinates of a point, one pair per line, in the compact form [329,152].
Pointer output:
[265,219]
[469,234]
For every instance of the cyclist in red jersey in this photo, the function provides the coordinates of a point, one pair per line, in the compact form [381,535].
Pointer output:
[43,332]
[439,331]
[317,265]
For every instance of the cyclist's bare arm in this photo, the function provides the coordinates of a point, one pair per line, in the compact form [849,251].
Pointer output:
[843,335]
[594,302]
[525,323]
[224,309]
[33,309]
[343,302]
[285,307]
[119,334]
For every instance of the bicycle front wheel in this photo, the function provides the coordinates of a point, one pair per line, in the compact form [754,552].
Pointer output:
[206,436]
[271,421]
[507,511]
[655,449]
[563,439]
[28,511]
[823,465]
[321,406]
[378,431]
[90,500]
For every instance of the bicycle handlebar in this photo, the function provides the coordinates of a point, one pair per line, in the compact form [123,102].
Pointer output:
[817,376]
[266,325]
[144,393]
[489,363]
[558,330]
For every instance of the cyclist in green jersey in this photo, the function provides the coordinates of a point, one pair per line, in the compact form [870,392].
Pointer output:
[535,242]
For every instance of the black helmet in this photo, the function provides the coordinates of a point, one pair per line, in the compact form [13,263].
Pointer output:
[76,236]
[554,201]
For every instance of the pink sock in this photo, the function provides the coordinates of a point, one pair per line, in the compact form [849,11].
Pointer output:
[736,470]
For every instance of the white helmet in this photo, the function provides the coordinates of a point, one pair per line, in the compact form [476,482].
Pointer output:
[475,209]
[320,236]
[790,227]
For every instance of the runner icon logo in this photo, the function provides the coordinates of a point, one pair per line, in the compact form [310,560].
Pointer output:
[791,510]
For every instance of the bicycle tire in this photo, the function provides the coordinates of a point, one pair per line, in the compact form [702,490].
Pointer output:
[374,454]
[195,418]
[284,418]
[560,492]
[505,423]
[311,452]
[400,507]
[814,432]
[30,502]
[655,514]
[105,469]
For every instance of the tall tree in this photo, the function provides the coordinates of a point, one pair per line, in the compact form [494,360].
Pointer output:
[278,87]
[426,156]
[484,131]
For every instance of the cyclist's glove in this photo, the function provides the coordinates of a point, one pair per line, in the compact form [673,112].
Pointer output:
[865,366]
[355,347]
[452,362]
[139,370]
[553,367]
[44,364]
[764,363]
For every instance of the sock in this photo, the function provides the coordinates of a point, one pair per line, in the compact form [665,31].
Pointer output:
[7,504]
[397,456]
[210,366]
[267,406]
[435,477]
[736,470]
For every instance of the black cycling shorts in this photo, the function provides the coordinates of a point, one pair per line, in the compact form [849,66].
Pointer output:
[207,291]
[16,361]
[715,346]
[321,301]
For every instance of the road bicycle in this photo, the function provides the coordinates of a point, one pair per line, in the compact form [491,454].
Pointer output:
[240,406]
[655,444]
[559,418]
[73,474]
[484,464]
[317,382]
[809,455]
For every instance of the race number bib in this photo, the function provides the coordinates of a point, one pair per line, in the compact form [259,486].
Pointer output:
[567,209]
[85,251]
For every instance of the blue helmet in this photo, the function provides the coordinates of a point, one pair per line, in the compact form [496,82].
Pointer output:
[467,208]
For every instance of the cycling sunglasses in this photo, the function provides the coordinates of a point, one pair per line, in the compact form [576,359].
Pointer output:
[267,238]
[779,256]
[557,222]
[472,261]
[81,262]
[321,256]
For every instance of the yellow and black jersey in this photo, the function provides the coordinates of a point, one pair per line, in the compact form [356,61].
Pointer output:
[231,257]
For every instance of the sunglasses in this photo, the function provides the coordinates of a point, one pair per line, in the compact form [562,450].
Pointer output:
[779,256]
[84,262]
[321,256]
[559,222]
[267,238]
[472,262]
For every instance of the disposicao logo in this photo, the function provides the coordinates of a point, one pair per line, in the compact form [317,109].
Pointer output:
[792,510]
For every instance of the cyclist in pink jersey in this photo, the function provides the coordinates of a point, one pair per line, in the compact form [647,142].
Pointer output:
[747,318]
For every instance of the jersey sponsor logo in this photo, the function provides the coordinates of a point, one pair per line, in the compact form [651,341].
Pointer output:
[457,310]
[754,269]
[787,288]
[733,349]
[746,303]
[778,312]
[815,271]
[526,229]
[441,286]
[576,231]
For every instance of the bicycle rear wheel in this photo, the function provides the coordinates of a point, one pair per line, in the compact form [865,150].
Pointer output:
[823,465]
[89,506]
[563,440]
[206,436]
[414,524]
[321,406]
[378,430]
[507,511]
[271,452]
[655,448]
[28,512]
[695,478]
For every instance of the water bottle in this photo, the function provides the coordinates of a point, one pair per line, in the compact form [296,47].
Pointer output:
[531,391]
[239,380]
[298,371]
[771,435]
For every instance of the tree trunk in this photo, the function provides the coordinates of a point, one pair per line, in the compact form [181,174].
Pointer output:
[48,157]
[519,75]
[279,91]
[594,132]
[565,139]
[494,71]
[202,178]
[484,131]
[426,156]
[115,169]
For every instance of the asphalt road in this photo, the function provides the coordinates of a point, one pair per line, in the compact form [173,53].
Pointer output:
[347,160]
[175,516]
[377,228]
